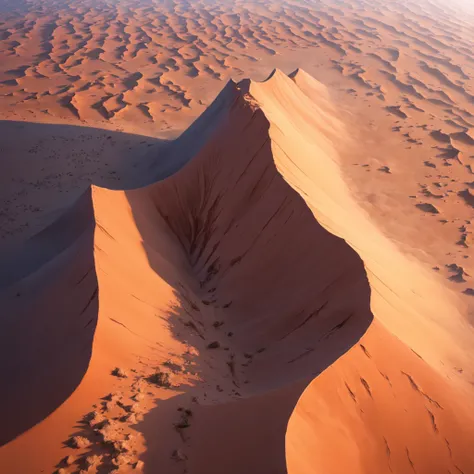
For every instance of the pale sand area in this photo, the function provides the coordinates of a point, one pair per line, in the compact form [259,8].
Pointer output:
[299,262]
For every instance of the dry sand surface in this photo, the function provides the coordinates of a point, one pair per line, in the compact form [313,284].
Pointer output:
[207,274]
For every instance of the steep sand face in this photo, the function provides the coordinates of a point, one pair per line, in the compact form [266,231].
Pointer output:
[368,378]
[302,128]
[251,277]
[49,314]
[381,408]
[246,280]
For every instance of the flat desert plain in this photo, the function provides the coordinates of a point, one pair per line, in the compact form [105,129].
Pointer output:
[237,237]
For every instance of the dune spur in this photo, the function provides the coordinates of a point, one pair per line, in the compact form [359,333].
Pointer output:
[298,337]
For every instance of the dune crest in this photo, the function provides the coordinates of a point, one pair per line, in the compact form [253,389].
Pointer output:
[314,135]
[279,311]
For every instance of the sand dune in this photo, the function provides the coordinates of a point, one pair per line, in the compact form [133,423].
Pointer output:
[276,279]
[227,326]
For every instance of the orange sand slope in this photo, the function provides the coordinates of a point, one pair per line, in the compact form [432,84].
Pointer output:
[263,321]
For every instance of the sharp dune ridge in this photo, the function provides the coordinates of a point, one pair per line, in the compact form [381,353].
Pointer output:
[248,274]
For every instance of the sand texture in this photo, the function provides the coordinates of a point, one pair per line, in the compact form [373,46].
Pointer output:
[204,273]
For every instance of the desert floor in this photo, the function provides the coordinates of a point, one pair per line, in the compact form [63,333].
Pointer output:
[293,252]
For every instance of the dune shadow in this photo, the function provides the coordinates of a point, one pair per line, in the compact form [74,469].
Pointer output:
[49,301]
[274,300]
[106,158]
[238,423]
[44,168]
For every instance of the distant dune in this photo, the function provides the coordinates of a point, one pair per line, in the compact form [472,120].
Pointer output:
[273,279]
[160,65]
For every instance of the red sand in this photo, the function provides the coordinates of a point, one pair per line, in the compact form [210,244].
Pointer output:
[286,286]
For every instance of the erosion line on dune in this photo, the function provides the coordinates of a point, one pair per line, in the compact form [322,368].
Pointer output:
[251,161]
[91,299]
[304,354]
[307,319]
[91,269]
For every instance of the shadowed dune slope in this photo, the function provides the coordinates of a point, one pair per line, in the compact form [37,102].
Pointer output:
[221,233]
[306,340]
[48,296]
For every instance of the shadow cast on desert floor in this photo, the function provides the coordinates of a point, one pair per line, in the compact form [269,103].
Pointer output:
[46,167]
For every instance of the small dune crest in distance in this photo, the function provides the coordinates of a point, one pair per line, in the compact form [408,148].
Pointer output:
[309,85]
